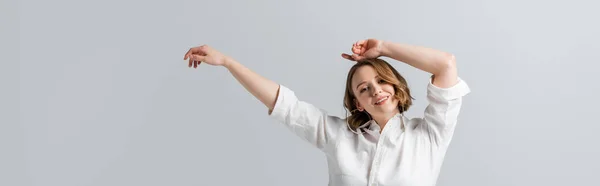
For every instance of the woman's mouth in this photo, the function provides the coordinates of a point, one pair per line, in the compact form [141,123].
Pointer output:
[382,100]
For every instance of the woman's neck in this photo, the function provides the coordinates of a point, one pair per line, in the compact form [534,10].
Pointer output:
[383,118]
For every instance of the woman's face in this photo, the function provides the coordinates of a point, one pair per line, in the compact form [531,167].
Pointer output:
[372,93]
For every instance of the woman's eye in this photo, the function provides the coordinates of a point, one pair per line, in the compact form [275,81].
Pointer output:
[363,89]
[381,81]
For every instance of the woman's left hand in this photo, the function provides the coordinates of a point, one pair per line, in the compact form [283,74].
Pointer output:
[365,49]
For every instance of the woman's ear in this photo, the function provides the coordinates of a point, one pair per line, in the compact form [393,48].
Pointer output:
[358,105]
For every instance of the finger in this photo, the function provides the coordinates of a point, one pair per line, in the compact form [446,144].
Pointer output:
[191,60]
[197,58]
[195,50]
[359,47]
[357,57]
[187,54]
[348,57]
[358,50]
[197,64]
[361,42]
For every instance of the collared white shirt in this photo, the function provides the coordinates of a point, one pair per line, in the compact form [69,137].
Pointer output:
[411,155]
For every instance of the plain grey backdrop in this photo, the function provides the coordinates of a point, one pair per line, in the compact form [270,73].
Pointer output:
[102,95]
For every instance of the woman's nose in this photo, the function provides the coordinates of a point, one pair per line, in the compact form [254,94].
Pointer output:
[376,90]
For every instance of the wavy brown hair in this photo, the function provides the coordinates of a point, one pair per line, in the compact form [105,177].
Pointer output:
[389,75]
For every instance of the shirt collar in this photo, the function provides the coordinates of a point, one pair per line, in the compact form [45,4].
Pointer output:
[373,126]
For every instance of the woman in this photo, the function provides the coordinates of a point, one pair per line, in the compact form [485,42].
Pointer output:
[376,144]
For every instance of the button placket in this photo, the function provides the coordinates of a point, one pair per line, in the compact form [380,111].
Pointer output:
[377,157]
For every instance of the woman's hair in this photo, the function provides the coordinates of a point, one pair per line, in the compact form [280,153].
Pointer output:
[389,75]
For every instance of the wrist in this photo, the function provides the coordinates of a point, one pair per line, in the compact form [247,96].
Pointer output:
[384,49]
[228,61]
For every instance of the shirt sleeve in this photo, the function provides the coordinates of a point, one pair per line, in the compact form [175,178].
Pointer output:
[310,123]
[441,114]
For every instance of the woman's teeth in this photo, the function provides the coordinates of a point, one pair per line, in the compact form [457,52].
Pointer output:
[381,100]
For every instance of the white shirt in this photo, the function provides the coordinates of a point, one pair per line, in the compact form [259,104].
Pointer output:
[405,156]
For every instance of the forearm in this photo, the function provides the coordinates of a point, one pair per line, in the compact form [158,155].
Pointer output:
[441,64]
[426,59]
[260,87]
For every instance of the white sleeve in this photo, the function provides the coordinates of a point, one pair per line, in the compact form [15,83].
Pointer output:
[441,114]
[310,123]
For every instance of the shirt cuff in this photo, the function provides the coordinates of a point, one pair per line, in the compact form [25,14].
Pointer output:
[285,97]
[457,90]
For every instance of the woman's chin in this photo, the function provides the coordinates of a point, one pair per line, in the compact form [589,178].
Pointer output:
[386,109]
[389,108]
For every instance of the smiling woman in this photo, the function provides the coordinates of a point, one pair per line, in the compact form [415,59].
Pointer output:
[370,84]
[376,144]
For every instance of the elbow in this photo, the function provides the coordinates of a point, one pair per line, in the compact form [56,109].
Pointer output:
[450,61]
[446,74]
[447,63]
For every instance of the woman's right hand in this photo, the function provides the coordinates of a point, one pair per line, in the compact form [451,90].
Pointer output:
[365,49]
[205,54]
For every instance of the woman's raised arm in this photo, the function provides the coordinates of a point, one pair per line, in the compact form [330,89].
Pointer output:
[260,87]
[441,64]
[304,119]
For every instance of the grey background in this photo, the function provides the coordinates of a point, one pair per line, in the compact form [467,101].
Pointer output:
[104,97]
